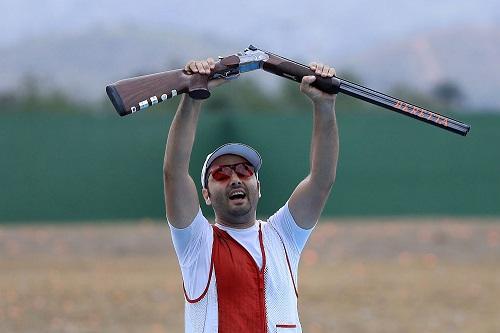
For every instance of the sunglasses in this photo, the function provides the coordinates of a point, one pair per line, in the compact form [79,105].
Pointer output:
[222,173]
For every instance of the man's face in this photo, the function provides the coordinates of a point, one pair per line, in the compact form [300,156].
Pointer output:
[235,197]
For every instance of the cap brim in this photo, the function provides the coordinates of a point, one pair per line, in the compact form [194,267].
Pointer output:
[248,153]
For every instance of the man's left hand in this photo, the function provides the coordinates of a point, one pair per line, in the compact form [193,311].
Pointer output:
[316,95]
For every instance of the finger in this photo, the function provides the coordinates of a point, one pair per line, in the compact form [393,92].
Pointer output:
[206,67]
[211,63]
[319,69]
[325,70]
[332,72]
[192,67]
[313,66]
[186,67]
[199,66]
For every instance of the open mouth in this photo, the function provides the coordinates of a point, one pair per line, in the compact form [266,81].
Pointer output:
[237,195]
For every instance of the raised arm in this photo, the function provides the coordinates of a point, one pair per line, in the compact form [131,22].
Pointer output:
[181,198]
[309,198]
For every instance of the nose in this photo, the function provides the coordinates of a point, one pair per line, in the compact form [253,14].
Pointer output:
[235,180]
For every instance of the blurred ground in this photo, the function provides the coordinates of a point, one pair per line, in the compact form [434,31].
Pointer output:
[355,276]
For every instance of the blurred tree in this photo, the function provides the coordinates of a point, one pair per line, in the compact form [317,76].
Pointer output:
[347,103]
[290,98]
[412,95]
[31,96]
[30,86]
[350,76]
[8,98]
[241,95]
[448,93]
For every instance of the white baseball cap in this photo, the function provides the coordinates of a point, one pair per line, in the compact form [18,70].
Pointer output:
[240,149]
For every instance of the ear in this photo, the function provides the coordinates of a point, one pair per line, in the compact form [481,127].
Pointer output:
[258,187]
[206,196]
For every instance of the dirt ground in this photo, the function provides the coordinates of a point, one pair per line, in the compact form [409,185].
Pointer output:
[355,276]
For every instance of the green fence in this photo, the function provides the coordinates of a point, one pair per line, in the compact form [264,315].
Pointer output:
[61,166]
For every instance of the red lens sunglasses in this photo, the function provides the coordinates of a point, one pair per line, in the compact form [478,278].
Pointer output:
[222,173]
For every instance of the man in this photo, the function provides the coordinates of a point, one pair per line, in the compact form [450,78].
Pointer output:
[240,274]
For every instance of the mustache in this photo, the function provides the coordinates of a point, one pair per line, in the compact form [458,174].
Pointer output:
[231,188]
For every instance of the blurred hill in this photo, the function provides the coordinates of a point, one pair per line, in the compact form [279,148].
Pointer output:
[80,65]
[468,56]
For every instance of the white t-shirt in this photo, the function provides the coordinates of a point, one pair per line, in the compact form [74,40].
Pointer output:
[193,245]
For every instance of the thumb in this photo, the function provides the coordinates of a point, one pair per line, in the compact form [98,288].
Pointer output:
[305,85]
[309,79]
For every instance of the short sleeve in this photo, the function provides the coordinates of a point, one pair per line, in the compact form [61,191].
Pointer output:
[190,241]
[193,246]
[286,226]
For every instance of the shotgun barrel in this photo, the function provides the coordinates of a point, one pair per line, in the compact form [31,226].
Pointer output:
[295,71]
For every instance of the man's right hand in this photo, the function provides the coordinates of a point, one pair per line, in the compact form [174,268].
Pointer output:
[204,67]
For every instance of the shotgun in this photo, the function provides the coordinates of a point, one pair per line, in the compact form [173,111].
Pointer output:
[131,95]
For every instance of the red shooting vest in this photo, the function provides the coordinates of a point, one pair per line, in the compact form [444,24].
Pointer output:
[241,290]
[240,285]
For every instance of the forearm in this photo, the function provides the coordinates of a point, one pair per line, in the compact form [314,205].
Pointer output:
[181,198]
[181,137]
[309,197]
[324,144]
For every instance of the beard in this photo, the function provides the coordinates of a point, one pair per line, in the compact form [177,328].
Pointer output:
[228,209]
[240,210]
[224,206]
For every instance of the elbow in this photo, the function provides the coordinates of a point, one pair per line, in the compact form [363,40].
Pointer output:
[331,182]
[174,178]
[333,177]
[169,178]
[324,183]
[169,168]
[174,170]
[167,173]
[328,184]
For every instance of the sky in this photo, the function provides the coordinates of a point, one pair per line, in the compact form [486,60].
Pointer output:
[362,22]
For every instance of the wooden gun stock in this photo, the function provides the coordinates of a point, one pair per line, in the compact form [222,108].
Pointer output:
[131,95]
[134,94]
